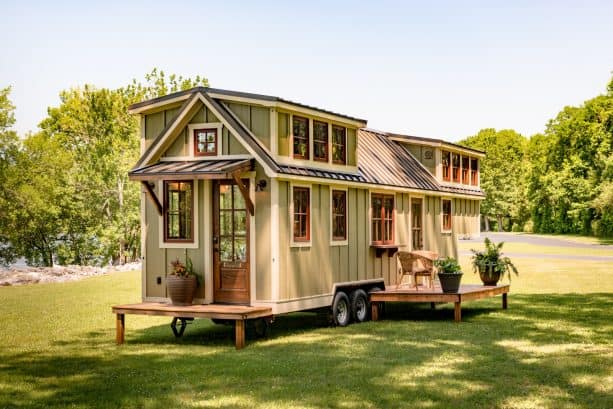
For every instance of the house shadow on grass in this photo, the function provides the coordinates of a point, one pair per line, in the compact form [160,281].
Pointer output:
[499,359]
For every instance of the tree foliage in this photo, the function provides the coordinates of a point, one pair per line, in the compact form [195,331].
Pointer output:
[65,192]
[502,174]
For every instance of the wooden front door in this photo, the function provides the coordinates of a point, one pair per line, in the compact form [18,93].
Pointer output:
[417,235]
[230,244]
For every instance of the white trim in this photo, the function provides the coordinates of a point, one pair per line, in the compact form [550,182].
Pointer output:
[301,304]
[291,215]
[443,230]
[274,239]
[443,145]
[332,241]
[182,245]
[204,125]
[151,107]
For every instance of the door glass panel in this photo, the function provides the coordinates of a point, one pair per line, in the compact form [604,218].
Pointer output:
[225,248]
[239,202]
[225,197]
[225,222]
[240,249]
[240,222]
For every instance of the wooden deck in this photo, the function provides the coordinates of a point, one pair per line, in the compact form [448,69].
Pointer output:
[434,295]
[237,313]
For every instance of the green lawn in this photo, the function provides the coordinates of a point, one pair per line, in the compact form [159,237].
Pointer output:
[551,349]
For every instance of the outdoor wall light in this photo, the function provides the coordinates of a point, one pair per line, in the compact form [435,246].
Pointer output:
[260,186]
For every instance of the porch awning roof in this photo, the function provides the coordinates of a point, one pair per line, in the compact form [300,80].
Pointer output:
[187,170]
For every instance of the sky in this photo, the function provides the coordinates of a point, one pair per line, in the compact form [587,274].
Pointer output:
[441,69]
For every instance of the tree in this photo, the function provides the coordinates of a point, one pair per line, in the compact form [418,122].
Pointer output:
[502,175]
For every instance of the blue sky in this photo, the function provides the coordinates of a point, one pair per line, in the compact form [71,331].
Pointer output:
[435,69]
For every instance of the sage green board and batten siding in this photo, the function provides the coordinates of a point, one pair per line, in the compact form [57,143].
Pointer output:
[256,118]
[313,270]
[180,146]
[419,152]
[263,261]
[284,130]
[158,259]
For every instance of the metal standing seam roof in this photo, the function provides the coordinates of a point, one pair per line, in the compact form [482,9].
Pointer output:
[191,169]
[383,161]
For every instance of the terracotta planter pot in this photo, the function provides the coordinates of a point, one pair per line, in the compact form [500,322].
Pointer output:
[450,283]
[488,276]
[181,289]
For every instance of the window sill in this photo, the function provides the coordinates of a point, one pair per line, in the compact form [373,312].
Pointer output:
[300,244]
[391,249]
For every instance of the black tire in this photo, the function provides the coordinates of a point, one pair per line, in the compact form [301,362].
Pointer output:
[360,306]
[341,309]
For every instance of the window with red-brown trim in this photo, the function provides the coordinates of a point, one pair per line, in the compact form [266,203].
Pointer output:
[382,207]
[474,171]
[302,214]
[178,211]
[446,211]
[465,169]
[455,167]
[320,141]
[339,145]
[339,215]
[446,165]
[300,128]
[205,142]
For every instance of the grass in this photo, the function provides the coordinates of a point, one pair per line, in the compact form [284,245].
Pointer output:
[551,349]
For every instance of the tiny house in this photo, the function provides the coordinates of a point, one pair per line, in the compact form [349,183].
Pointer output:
[281,204]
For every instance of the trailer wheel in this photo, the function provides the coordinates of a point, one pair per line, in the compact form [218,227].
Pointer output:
[341,309]
[360,306]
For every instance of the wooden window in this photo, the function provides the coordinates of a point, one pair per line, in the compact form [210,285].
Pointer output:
[382,219]
[320,141]
[474,171]
[339,215]
[302,214]
[455,167]
[205,142]
[339,145]
[178,211]
[446,165]
[465,169]
[301,137]
[446,210]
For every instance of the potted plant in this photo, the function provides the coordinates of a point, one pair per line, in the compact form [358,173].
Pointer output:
[491,264]
[181,282]
[449,274]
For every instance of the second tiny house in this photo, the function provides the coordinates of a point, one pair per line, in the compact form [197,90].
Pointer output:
[281,204]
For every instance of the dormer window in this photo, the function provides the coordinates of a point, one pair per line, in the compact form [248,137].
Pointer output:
[320,141]
[446,166]
[301,137]
[465,169]
[339,145]
[455,167]
[474,172]
[205,142]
